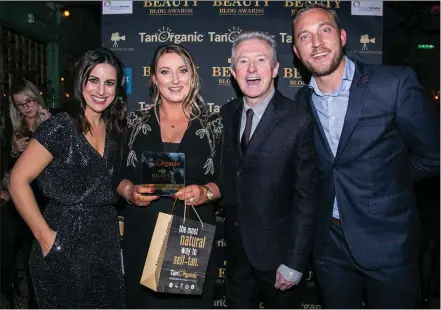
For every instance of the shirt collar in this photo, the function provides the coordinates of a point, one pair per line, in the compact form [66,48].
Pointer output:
[348,75]
[260,108]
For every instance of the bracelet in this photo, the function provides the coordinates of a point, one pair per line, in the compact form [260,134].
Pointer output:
[126,194]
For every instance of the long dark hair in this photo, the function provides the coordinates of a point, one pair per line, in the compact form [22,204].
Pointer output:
[114,115]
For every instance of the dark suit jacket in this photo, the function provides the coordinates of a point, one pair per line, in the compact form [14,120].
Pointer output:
[388,140]
[268,192]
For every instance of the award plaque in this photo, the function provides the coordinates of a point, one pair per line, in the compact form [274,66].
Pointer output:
[166,171]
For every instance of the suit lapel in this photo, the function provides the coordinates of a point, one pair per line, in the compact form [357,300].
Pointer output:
[356,103]
[269,118]
[321,132]
[236,118]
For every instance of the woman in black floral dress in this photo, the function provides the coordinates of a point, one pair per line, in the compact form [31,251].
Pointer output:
[76,261]
[178,121]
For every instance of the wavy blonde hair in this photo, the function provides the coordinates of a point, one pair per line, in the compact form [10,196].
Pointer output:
[28,89]
[193,98]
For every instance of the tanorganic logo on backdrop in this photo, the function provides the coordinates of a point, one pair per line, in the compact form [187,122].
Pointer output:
[220,303]
[241,7]
[221,243]
[116,37]
[170,7]
[167,35]
[226,37]
[285,37]
[128,72]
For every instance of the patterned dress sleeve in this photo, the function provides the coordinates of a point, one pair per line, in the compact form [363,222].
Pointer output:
[217,128]
[53,134]
[124,169]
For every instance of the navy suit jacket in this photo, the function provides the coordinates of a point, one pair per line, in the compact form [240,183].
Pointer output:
[268,192]
[389,139]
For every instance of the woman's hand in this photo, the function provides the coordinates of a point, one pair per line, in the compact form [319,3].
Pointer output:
[47,241]
[194,194]
[135,194]
[20,145]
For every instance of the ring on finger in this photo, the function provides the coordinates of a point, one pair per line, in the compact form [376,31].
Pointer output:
[191,200]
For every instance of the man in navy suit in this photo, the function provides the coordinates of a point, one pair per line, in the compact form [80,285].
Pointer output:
[374,136]
[268,182]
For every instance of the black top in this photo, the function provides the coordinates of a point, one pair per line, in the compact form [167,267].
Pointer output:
[170,147]
[201,144]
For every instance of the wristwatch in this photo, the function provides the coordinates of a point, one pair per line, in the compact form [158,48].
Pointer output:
[210,194]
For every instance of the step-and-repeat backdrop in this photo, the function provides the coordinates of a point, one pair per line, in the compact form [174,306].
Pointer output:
[133,30]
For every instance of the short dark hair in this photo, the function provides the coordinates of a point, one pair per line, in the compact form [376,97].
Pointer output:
[331,13]
[114,115]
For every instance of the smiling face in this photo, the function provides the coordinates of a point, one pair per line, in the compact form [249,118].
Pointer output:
[254,70]
[318,42]
[172,78]
[100,88]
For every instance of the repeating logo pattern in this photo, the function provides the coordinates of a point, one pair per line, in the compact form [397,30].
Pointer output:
[207,29]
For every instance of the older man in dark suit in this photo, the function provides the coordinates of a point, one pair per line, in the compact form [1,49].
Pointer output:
[374,136]
[268,184]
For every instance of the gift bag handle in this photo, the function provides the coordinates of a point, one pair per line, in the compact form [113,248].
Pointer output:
[185,210]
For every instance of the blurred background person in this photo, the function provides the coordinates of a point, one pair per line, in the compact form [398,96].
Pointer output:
[27,111]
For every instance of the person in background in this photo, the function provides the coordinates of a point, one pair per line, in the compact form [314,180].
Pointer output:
[27,111]
[178,121]
[76,259]
[375,135]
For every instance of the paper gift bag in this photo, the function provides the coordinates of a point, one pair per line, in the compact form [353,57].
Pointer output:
[178,256]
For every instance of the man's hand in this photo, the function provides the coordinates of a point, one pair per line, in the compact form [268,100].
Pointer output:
[283,284]
[284,272]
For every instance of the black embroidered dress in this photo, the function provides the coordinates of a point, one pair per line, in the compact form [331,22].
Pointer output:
[201,145]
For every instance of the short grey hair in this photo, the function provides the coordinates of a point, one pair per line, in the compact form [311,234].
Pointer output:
[254,35]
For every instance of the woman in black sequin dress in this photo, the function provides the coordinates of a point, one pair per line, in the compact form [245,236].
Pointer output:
[76,261]
[179,121]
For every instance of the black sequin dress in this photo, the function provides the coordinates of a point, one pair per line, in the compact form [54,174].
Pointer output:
[83,269]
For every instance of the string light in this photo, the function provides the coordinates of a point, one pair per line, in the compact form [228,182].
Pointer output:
[62,79]
[66,13]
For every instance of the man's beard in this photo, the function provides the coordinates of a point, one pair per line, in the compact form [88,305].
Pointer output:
[335,62]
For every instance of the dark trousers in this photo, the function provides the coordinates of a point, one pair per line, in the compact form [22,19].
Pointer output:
[15,237]
[344,285]
[246,287]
